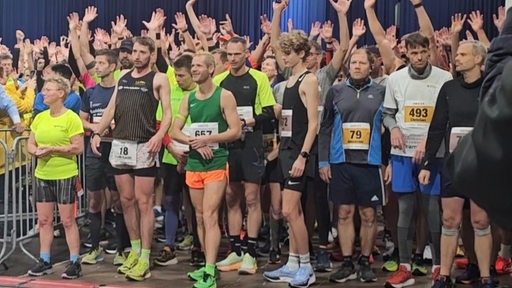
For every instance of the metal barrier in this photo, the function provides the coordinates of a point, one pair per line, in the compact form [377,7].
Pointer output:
[19,219]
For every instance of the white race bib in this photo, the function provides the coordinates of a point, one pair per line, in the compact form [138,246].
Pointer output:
[456,134]
[356,136]
[411,143]
[123,153]
[286,123]
[203,129]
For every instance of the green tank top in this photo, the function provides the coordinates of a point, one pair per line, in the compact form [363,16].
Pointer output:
[200,113]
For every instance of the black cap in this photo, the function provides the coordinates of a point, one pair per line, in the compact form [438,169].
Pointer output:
[126,44]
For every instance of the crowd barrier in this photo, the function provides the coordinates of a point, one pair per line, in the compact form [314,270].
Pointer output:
[18,218]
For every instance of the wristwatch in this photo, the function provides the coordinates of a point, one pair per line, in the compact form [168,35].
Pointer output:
[304,155]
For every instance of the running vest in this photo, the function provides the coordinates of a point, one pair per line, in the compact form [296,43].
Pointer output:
[135,108]
[295,112]
[205,113]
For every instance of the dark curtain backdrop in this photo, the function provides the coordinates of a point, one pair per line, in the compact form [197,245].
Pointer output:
[48,17]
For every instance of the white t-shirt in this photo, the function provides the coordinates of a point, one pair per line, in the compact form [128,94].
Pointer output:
[415,100]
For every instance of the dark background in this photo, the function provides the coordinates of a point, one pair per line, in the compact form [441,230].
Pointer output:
[48,17]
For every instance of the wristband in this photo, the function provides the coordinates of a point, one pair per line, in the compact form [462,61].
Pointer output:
[94,134]
[209,39]
[179,116]
[328,42]
[244,122]
[184,31]
[158,35]
[120,38]
[416,6]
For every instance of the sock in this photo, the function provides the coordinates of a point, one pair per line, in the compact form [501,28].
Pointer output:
[73,258]
[45,256]
[251,246]
[275,235]
[95,228]
[304,261]
[347,261]
[236,244]
[210,269]
[243,242]
[144,254]
[434,267]
[293,261]
[136,246]
[123,239]
[505,251]
[364,259]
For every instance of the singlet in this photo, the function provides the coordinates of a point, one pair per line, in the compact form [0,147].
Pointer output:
[207,111]
[299,119]
[135,108]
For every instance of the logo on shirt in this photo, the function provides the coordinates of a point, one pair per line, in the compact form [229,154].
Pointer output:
[140,83]
[370,96]
[246,87]
[374,198]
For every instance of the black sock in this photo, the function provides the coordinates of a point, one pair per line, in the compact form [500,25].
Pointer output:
[243,243]
[123,239]
[347,261]
[95,229]
[251,246]
[235,242]
[364,259]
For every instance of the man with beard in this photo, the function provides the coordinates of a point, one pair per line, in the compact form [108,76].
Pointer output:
[135,148]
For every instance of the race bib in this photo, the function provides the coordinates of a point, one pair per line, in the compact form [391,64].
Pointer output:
[245,112]
[286,123]
[417,113]
[356,136]
[181,146]
[203,129]
[411,143]
[123,153]
[456,134]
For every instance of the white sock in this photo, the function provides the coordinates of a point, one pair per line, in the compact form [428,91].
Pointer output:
[505,251]
[293,261]
[434,267]
[304,261]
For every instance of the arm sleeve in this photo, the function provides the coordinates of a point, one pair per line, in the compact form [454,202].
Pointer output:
[161,64]
[16,59]
[324,135]
[437,129]
[388,118]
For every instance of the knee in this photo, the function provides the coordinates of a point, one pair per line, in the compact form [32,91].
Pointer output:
[45,221]
[252,202]
[368,217]
[451,221]
[290,213]
[275,212]
[144,201]
[68,222]
[345,215]
[210,220]
[94,202]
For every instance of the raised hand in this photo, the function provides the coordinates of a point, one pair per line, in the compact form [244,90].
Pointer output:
[91,13]
[369,4]
[326,32]
[266,25]
[358,28]
[391,35]
[119,26]
[315,29]
[73,21]
[181,23]
[227,25]
[290,25]
[500,18]
[157,21]
[281,6]
[457,23]
[205,26]
[476,20]
[341,6]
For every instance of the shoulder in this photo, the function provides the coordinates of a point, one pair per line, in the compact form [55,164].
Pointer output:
[219,78]
[310,79]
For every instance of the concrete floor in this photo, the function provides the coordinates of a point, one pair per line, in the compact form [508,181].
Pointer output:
[104,274]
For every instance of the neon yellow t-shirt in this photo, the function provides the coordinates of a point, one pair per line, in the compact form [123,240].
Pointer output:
[177,94]
[56,131]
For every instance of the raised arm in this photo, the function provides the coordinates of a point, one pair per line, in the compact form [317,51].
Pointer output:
[276,31]
[341,7]
[427,30]
[476,20]
[457,24]
[90,14]
[73,21]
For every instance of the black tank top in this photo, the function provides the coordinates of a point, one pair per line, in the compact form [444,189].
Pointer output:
[292,101]
[135,108]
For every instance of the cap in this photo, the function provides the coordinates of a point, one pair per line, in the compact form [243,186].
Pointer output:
[126,44]
[224,38]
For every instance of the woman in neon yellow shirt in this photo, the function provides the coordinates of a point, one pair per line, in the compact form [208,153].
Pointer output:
[56,140]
